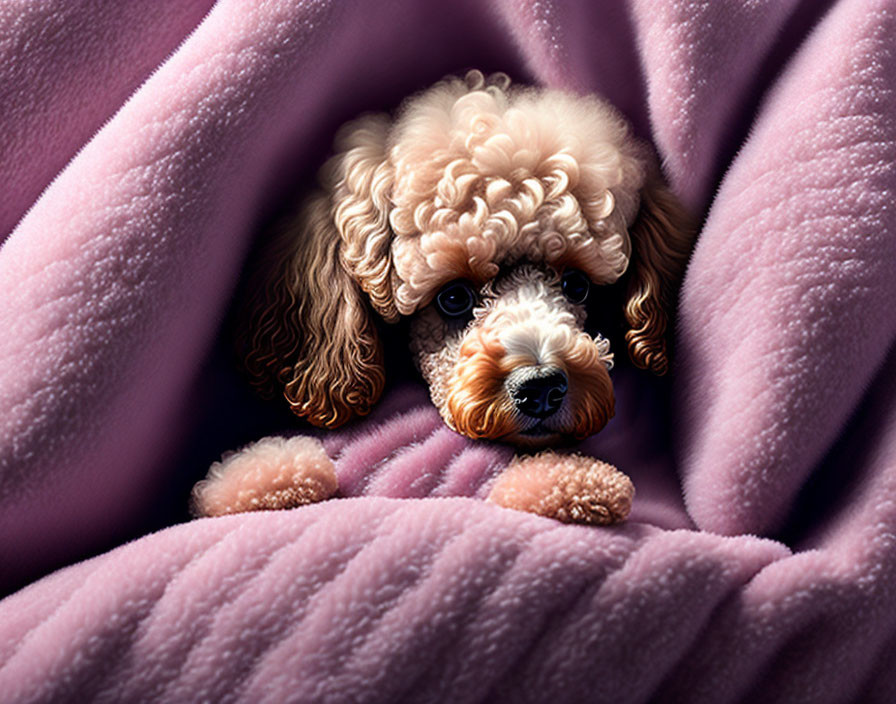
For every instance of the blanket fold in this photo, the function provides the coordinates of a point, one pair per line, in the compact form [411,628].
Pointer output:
[375,599]
[144,148]
[791,341]
[65,68]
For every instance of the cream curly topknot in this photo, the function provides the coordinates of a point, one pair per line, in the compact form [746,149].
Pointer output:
[479,173]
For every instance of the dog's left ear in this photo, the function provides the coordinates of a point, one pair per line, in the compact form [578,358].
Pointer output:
[662,237]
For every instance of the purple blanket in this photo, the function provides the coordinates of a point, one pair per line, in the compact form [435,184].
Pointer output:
[145,145]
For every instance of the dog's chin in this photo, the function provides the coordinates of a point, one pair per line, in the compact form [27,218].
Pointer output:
[552,432]
[537,438]
[530,436]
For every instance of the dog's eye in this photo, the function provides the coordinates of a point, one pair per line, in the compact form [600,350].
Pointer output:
[456,299]
[575,285]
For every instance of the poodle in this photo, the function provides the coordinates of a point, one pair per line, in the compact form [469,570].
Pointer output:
[488,214]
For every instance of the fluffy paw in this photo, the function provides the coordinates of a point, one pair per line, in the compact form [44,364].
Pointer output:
[571,488]
[273,473]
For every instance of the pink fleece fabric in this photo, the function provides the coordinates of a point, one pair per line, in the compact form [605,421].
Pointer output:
[143,148]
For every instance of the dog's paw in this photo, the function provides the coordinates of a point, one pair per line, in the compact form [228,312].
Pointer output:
[273,473]
[571,488]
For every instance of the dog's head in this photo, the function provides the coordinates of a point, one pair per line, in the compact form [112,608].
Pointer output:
[486,213]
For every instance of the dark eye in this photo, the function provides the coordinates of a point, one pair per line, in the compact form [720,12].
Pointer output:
[575,285]
[456,299]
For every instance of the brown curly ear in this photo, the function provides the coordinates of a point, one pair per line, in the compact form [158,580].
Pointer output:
[662,236]
[309,331]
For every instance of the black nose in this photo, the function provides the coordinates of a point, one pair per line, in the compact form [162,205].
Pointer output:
[541,395]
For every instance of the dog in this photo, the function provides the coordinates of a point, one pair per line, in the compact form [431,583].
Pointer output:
[487,213]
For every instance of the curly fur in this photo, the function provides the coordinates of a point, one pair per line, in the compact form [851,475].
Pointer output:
[662,238]
[486,174]
[472,176]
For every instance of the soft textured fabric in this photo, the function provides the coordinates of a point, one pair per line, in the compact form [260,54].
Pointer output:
[143,148]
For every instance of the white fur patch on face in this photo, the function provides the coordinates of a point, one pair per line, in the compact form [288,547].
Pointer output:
[537,324]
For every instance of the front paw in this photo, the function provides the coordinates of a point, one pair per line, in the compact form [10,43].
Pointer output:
[569,487]
[273,473]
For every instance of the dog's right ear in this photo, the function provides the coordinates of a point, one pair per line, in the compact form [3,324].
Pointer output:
[662,237]
[308,330]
